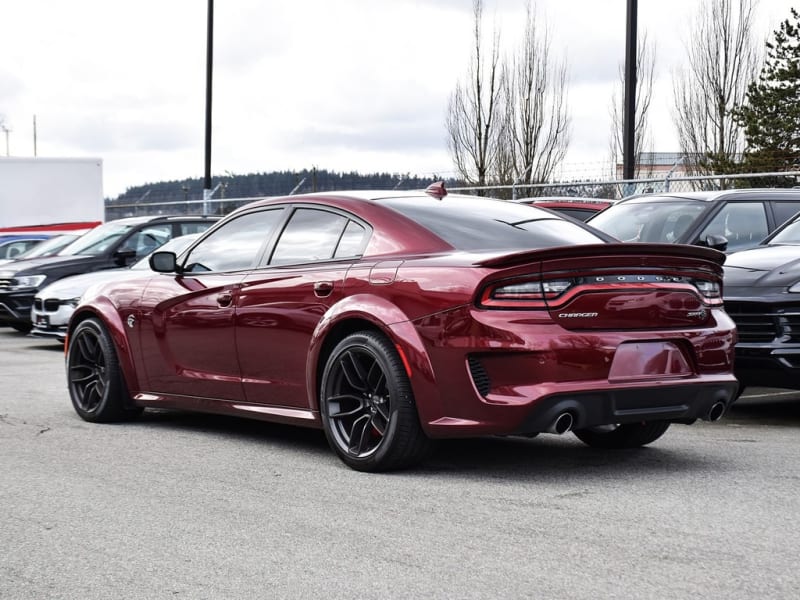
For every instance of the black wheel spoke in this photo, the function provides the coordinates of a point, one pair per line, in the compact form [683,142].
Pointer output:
[354,372]
[359,435]
[342,413]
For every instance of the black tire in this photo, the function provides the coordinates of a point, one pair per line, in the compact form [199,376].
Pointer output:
[629,435]
[96,385]
[22,327]
[368,408]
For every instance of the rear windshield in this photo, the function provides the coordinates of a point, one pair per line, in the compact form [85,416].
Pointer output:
[650,221]
[478,224]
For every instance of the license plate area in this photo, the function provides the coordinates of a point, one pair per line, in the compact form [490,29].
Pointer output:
[637,361]
[42,321]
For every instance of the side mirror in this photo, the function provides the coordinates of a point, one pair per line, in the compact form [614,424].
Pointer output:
[124,257]
[717,242]
[163,262]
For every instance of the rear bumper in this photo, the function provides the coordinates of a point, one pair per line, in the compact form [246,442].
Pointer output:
[680,404]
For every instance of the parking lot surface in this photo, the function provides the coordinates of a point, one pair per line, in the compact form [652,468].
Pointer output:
[177,505]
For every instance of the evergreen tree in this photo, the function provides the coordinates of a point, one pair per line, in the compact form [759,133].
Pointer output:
[771,115]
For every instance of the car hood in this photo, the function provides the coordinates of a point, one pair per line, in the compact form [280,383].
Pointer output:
[42,264]
[763,267]
[76,285]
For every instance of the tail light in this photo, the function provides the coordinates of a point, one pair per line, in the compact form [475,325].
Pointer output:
[528,294]
[537,293]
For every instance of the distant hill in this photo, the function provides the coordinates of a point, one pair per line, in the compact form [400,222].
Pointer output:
[276,183]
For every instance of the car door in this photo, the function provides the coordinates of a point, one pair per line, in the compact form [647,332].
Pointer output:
[281,304]
[187,332]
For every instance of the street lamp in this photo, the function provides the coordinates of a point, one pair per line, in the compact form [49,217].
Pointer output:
[185,189]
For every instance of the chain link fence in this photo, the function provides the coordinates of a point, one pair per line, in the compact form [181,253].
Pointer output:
[577,189]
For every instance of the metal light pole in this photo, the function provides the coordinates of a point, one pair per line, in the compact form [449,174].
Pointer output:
[629,114]
[209,63]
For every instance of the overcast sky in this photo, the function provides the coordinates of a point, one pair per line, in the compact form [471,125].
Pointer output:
[345,85]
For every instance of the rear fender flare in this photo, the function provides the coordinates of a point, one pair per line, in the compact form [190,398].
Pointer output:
[393,323]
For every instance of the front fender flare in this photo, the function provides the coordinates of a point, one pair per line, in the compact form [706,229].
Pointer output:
[103,309]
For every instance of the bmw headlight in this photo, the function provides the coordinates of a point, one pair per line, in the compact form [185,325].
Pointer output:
[795,288]
[73,302]
[27,282]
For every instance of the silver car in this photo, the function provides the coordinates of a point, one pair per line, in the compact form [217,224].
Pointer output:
[54,304]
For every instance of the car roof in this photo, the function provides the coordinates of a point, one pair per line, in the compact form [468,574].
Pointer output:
[716,195]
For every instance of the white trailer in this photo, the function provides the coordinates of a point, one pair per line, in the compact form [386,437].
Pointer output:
[44,191]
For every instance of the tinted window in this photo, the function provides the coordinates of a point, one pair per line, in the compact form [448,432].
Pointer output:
[189,228]
[146,240]
[660,222]
[784,210]
[310,235]
[352,242]
[235,245]
[485,224]
[744,224]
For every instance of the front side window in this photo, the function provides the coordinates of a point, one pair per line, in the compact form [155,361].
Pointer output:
[146,240]
[236,245]
[744,224]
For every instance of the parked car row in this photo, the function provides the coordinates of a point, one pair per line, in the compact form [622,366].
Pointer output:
[392,319]
[111,245]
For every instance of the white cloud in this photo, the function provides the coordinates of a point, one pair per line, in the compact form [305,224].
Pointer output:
[346,85]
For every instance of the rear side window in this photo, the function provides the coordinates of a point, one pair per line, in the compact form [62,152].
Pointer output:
[313,235]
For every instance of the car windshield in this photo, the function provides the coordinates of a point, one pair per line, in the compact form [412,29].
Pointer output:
[655,221]
[476,224]
[49,246]
[789,235]
[98,240]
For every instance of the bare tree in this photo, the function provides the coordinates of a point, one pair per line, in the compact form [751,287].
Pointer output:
[642,138]
[509,123]
[723,58]
[536,119]
[473,115]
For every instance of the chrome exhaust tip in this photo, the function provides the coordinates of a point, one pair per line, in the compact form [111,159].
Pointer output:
[716,411]
[561,424]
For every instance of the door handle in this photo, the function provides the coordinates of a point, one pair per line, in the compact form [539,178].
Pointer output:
[224,299]
[323,288]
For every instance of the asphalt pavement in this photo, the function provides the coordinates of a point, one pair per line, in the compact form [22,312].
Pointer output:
[180,505]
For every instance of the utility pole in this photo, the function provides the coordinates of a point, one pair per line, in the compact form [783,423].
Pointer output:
[629,114]
[209,64]
[34,135]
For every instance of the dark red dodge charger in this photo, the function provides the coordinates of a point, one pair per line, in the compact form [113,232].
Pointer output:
[390,319]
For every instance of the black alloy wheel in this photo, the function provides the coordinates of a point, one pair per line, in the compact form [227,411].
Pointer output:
[368,408]
[94,377]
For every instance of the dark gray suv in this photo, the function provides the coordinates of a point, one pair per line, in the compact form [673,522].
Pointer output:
[729,220]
